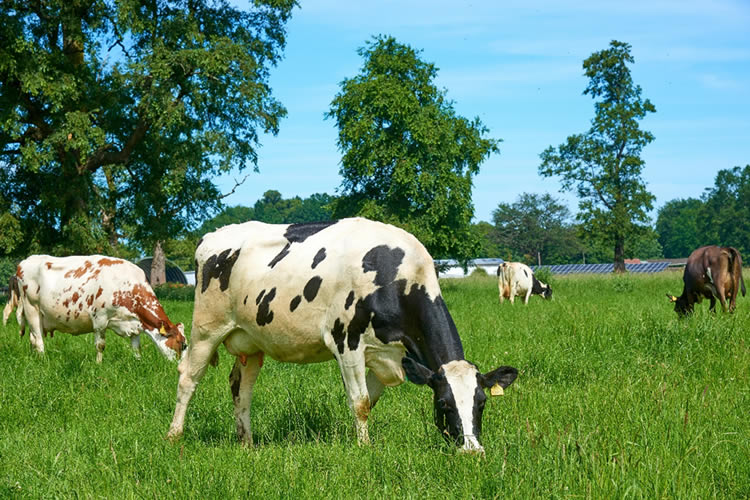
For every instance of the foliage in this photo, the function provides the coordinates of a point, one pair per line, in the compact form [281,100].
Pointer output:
[7,269]
[615,398]
[642,243]
[116,115]
[677,226]
[536,225]
[604,164]
[724,218]
[229,215]
[486,234]
[174,291]
[274,209]
[544,275]
[408,159]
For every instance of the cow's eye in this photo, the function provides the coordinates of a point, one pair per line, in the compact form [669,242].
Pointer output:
[443,405]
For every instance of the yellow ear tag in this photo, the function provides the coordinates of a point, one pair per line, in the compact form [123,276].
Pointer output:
[162,330]
[497,390]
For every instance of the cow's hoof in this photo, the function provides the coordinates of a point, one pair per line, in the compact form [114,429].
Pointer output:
[173,436]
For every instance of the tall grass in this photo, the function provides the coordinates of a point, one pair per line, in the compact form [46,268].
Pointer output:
[616,397]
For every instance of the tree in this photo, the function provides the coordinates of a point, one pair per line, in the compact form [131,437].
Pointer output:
[725,216]
[604,164]
[133,108]
[536,227]
[677,227]
[408,159]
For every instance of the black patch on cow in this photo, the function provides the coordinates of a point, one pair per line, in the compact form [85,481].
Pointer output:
[349,300]
[312,287]
[265,315]
[319,257]
[384,261]
[260,296]
[297,233]
[338,335]
[524,272]
[295,302]
[284,252]
[219,266]
[245,301]
[199,243]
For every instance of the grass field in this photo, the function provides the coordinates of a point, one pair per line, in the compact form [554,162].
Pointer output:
[616,398]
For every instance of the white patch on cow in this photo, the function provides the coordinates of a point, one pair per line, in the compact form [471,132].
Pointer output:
[462,378]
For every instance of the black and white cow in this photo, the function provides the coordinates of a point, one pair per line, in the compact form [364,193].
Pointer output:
[516,278]
[362,292]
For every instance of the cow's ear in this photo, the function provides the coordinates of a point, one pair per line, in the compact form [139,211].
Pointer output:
[504,376]
[416,372]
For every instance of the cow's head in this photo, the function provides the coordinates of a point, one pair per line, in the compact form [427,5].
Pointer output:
[682,305]
[539,288]
[459,400]
[170,339]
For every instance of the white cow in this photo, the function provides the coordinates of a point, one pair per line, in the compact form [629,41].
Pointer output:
[515,278]
[360,292]
[83,294]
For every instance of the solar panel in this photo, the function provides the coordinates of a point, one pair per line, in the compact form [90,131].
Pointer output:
[645,267]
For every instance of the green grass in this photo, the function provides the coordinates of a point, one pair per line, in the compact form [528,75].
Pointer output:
[616,397]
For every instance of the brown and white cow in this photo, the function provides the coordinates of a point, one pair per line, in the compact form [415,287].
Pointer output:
[360,292]
[83,294]
[515,278]
[712,272]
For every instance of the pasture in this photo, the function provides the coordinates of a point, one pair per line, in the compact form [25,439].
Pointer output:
[615,397]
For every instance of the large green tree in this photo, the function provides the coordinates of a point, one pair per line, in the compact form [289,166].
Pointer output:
[118,113]
[408,158]
[677,227]
[536,228]
[604,164]
[724,218]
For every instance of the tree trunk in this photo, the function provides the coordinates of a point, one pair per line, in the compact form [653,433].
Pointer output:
[619,253]
[158,266]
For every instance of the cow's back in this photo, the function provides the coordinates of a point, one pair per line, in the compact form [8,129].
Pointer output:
[68,291]
[283,285]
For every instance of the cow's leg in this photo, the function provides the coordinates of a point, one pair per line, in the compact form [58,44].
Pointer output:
[512,294]
[352,365]
[375,387]
[500,292]
[526,297]
[135,343]
[191,370]
[34,319]
[101,342]
[722,296]
[241,381]
[712,307]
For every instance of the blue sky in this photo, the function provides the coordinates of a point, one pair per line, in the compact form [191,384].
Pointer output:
[518,67]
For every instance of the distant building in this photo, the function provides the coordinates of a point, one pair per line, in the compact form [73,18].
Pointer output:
[450,268]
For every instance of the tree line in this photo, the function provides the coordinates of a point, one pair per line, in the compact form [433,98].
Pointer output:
[117,117]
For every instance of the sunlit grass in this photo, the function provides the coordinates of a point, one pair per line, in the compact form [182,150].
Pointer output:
[616,397]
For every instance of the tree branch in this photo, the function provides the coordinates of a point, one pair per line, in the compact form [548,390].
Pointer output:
[236,185]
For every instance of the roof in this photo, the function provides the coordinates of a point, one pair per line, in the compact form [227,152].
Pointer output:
[174,273]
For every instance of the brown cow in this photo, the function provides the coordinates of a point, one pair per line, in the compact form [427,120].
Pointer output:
[712,272]
[91,293]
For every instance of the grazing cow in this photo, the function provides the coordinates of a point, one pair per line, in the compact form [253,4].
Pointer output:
[712,272]
[361,292]
[515,278]
[82,294]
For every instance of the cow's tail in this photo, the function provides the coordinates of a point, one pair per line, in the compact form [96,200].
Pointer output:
[736,266]
[13,299]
